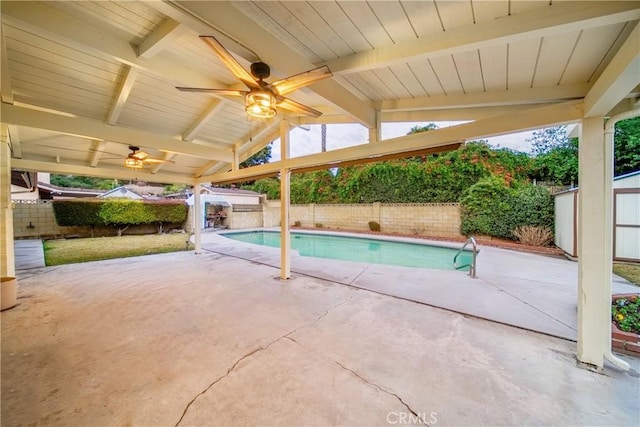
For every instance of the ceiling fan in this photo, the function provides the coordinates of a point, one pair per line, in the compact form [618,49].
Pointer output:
[137,159]
[262,98]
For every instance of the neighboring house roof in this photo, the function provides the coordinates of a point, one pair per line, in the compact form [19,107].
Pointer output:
[24,179]
[627,175]
[56,191]
[236,191]
[121,192]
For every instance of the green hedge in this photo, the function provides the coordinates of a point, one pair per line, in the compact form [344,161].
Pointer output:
[69,213]
[493,208]
[118,212]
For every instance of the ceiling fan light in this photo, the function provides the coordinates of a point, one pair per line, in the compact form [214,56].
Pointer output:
[260,104]
[133,163]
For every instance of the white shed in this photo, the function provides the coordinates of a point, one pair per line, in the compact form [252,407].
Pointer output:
[626,219]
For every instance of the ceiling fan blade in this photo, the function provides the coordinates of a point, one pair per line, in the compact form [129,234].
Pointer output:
[231,63]
[140,155]
[291,83]
[296,107]
[157,161]
[228,92]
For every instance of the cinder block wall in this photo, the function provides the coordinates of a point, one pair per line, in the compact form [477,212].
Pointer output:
[240,220]
[36,221]
[432,219]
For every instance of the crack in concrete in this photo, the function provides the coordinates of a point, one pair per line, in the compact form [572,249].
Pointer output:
[366,381]
[390,393]
[254,351]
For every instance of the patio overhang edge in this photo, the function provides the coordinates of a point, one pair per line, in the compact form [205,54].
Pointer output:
[522,120]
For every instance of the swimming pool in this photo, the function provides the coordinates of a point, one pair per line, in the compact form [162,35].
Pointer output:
[359,249]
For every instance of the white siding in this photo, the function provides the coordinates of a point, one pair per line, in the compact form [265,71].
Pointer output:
[564,222]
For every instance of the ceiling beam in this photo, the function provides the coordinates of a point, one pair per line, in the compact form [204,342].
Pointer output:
[14,141]
[223,16]
[124,91]
[156,41]
[98,147]
[203,119]
[619,78]
[545,21]
[5,75]
[166,156]
[113,173]
[94,129]
[532,118]
[454,114]
[55,25]
[529,95]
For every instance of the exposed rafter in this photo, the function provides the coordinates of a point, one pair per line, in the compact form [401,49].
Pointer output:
[509,97]
[203,119]
[557,18]
[157,40]
[60,27]
[5,74]
[230,21]
[98,147]
[117,173]
[14,141]
[618,79]
[124,90]
[165,156]
[94,129]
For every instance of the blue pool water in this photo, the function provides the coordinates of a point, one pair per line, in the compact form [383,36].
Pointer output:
[360,249]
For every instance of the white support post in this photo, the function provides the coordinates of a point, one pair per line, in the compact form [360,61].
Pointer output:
[198,217]
[236,158]
[285,181]
[594,248]
[375,134]
[7,257]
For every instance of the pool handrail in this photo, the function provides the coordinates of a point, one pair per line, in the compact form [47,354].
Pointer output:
[474,253]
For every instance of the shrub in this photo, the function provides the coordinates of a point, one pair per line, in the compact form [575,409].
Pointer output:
[69,213]
[124,213]
[533,235]
[493,208]
[167,212]
[319,225]
[374,226]
[297,224]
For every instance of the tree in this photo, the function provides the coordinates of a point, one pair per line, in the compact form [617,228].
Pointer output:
[261,157]
[544,140]
[627,146]
[425,128]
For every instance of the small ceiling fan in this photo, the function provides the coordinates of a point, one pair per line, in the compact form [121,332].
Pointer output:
[262,98]
[137,159]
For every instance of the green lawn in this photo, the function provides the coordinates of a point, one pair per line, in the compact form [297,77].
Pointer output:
[57,252]
[631,272]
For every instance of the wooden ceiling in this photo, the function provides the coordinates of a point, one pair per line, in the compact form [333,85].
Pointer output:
[81,81]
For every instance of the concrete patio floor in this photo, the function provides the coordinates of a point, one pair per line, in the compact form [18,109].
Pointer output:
[209,339]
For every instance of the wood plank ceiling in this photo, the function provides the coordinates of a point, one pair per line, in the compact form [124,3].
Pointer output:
[81,81]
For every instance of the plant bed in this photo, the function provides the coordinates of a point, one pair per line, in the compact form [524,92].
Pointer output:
[625,324]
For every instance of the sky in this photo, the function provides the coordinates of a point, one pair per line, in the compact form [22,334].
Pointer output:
[307,140]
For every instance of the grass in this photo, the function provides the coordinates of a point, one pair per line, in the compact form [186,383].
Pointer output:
[631,272]
[57,252]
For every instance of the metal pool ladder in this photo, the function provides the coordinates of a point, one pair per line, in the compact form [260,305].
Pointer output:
[474,253]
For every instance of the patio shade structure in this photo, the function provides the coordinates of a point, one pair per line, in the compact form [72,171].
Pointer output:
[81,81]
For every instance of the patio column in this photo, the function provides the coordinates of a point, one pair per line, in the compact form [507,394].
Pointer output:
[285,181]
[375,134]
[197,218]
[7,258]
[594,242]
